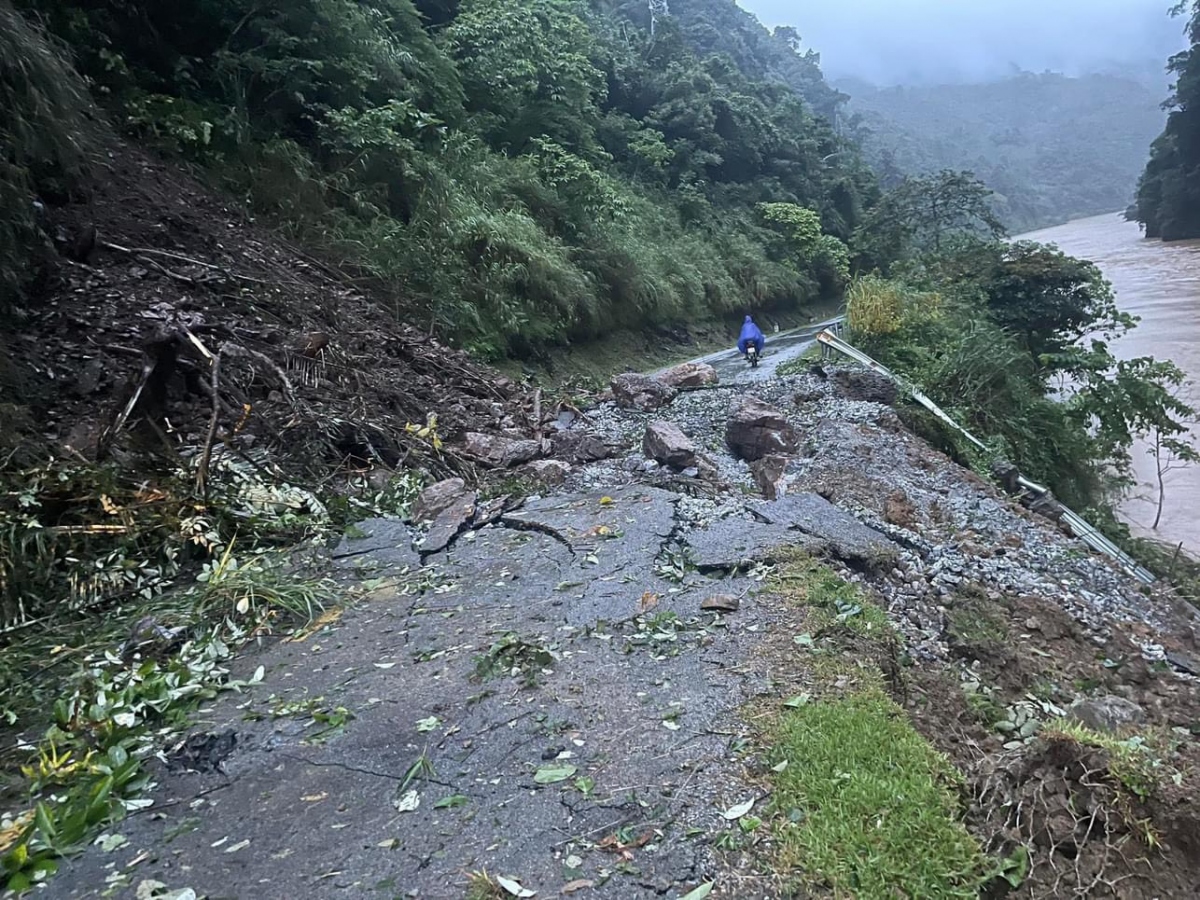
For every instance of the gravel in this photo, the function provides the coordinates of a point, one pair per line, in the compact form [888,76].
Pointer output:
[964,532]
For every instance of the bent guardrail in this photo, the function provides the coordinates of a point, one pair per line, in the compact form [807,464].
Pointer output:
[1078,525]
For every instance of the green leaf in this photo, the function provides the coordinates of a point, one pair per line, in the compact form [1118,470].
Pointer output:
[452,802]
[554,774]
[44,819]
[798,701]
[699,893]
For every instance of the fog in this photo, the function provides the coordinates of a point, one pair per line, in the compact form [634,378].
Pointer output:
[914,41]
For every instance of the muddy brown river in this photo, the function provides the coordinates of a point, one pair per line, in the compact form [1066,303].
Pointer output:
[1159,283]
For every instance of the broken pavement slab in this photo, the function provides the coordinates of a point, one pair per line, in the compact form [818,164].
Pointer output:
[732,543]
[388,543]
[849,539]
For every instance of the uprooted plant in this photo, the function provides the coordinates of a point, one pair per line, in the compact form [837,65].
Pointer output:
[1077,805]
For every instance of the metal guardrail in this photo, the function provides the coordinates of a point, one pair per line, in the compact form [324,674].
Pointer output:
[1078,525]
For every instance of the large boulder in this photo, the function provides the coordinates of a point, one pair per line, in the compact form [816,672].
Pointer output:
[437,498]
[499,452]
[690,375]
[665,442]
[641,392]
[549,471]
[756,429]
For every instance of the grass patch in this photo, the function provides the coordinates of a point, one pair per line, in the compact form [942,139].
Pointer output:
[806,582]
[867,807]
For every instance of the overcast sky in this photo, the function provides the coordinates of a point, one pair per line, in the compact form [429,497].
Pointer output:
[894,41]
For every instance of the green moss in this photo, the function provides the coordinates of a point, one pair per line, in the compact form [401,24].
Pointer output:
[867,807]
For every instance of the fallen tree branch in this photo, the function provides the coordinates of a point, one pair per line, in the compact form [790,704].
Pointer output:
[206,454]
[179,257]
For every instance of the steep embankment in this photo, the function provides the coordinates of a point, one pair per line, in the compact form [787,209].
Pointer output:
[581,691]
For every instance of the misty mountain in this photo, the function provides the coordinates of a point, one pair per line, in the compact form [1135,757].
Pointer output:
[891,42]
[1052,147]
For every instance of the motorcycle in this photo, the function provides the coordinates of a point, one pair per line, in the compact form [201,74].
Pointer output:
[752,356]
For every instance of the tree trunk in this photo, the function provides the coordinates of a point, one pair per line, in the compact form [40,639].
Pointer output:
[1158,471]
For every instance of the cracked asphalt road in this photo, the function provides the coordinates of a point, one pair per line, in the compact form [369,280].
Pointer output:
[564,601]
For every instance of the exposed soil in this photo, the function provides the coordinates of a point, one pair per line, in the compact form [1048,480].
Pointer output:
[326,373]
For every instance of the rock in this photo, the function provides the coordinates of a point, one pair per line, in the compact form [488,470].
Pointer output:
[1108,713]
[720,603]
[849,539]
[768,474]
[706,469]
[755,430]
[1183,662]
[666,443]
[499,452]
[565,420]
[578,447]
[690,375]
[865,385]
[641,392]
[549,471]
[437,498]
[1007,475]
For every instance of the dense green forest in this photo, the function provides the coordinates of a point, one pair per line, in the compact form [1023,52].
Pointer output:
[517,171]
[1052,147]
[1168,198]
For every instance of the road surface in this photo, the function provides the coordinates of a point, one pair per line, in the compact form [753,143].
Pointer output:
[733,369]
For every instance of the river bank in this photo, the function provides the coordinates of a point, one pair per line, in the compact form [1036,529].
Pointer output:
[1160,284]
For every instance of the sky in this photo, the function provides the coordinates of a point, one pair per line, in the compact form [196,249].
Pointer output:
[913,41]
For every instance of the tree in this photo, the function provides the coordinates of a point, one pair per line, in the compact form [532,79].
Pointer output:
[1169,453]
[528,69]
[1168,198]
[1137,398]
[1060,309]
[920,213]
[815,253]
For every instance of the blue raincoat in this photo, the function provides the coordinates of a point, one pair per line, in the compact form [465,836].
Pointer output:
[750,335]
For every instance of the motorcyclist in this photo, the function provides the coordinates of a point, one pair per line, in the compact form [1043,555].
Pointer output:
[750,335]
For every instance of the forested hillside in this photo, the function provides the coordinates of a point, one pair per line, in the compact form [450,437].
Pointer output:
[1168,200]
[513,171]
[1051,147]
